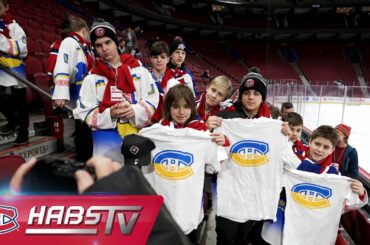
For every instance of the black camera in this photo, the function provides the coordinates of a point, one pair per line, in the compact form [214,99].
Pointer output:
[53,176]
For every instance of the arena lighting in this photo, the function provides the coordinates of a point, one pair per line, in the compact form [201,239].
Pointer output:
[235,1]
[217,8]
[365,9]
[345,10]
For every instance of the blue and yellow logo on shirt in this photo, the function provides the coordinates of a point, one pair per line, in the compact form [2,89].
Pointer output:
[249,153]
[173,165]
[311,195]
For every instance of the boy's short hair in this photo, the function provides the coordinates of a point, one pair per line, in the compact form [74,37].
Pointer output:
[274,111]
[293,119]
[159,48]
[327,132]
[286,105]
[223,81]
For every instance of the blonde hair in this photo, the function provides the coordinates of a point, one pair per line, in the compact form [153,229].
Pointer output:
[223,81]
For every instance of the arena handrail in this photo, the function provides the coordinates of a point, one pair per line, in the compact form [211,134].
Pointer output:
[30,84]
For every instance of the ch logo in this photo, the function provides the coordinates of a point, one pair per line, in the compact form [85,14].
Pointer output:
[311,196]
[249,153]
[8,219]
[173,165]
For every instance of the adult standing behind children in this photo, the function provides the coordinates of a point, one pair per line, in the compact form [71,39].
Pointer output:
[344,154]
[74,61]
[13,49]
[119,95]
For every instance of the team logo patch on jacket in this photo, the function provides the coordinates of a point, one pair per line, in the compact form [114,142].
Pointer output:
[173,165]
[311,195]
[249,153]
[8,216]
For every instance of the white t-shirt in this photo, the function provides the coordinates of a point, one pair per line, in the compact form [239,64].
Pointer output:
[249,183]
[314,205]
[177,173]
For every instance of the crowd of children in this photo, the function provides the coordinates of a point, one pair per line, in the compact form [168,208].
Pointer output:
[237,140]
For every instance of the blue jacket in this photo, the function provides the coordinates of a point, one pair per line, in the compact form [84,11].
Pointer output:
[350,163]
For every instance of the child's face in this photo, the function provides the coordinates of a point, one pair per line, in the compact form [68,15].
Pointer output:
[251,101]
[320,148]
[106,49]
[341,136]
[159,62]
[215,95]
[178,57]
[296,132]
[3,9]
[180,111]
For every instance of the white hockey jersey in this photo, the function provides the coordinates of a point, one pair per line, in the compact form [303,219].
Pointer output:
[249,183]
[107,132]
[314,205]
[13,51]
[69,71]
[178,167]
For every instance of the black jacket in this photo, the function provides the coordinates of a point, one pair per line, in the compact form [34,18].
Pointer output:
[130,181]
[350,163]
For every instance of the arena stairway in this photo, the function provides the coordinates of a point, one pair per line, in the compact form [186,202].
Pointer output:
[39,145]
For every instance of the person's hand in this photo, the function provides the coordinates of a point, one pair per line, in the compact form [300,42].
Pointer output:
[127,112]
[17,179]
[213,122]
[286,130]
[103,167]
[60,103]
[357,187]
[122,110]
[218,138]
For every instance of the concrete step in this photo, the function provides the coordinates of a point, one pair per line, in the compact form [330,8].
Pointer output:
[38,146]
[37,128]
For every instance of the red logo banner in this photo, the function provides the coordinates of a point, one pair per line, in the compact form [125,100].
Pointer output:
[77,219]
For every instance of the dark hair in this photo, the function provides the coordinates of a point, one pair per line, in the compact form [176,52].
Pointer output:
[286,105]
[274,111]
[159,48]
[173,95]
[293,119]
[72,23]
[327,132]
[254,69]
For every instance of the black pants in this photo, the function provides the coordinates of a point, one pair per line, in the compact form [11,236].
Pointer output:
[14,107]
[192,236]
[233,233]
[83,141]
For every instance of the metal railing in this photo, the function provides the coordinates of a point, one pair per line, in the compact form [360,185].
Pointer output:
[31,85]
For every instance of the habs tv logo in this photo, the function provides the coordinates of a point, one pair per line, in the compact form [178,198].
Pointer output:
[8,219]
[98,219]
